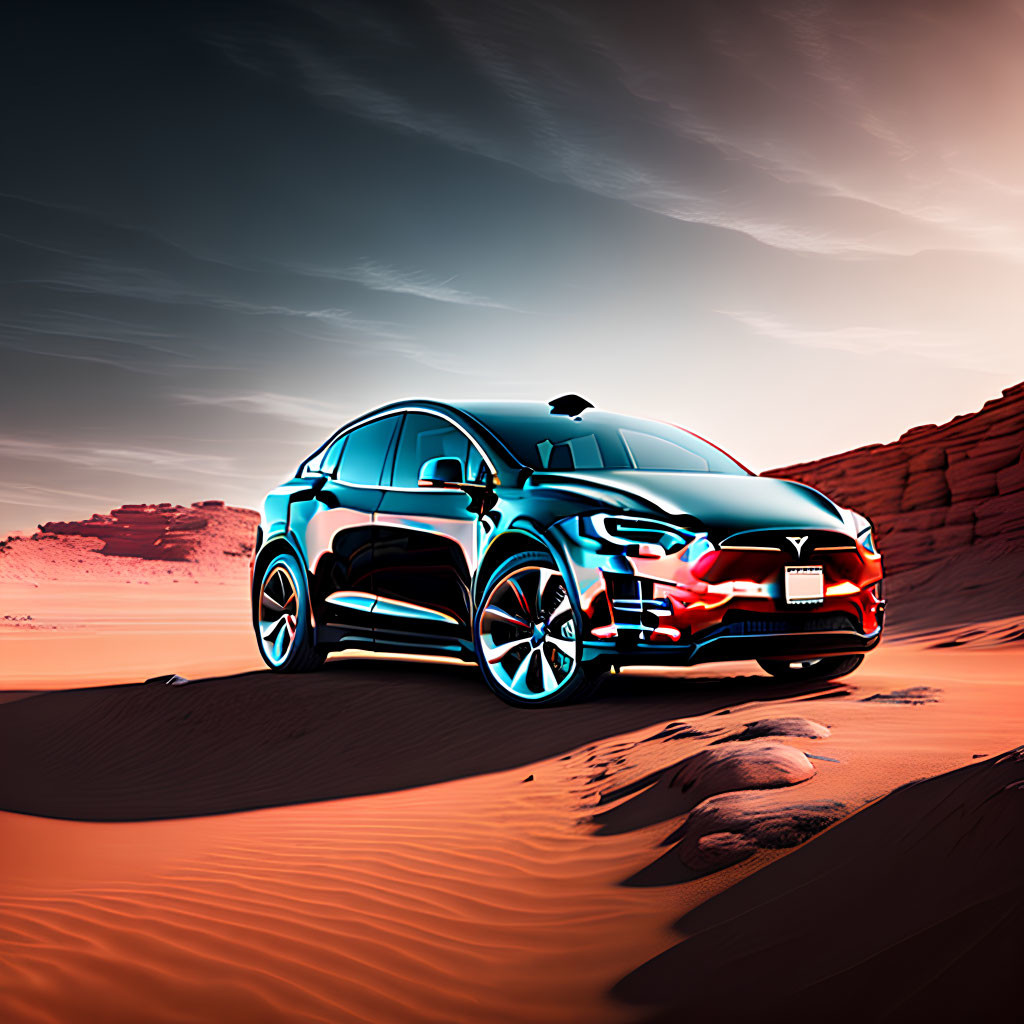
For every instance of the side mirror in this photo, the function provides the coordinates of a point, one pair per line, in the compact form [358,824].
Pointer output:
[443,472]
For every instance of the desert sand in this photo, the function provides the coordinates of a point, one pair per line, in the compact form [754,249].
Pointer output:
[410,849]
[384,841]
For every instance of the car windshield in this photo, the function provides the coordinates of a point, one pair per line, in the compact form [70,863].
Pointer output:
[601,440]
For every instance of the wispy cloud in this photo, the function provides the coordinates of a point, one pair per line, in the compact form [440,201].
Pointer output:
[35,495]
[34,343]
[324,79]
[154,463]
[74,334]
[106,277]
[560,147]
[291,408]
[870,157]
[380,277]
[835,168]
[859,339]
[168,275]
[326,325]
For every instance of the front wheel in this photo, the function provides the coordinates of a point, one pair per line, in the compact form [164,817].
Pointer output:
[527,635]
[281,617]
[811,670]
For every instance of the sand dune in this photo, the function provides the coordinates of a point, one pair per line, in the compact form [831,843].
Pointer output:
[931,873]
[472,901]
[471,884]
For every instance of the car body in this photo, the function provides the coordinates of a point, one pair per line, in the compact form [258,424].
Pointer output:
[551,541]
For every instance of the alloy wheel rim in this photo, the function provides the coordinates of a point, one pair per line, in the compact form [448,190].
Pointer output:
[278,614]
[528,633]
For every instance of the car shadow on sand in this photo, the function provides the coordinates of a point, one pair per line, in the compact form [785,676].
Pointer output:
[359,726]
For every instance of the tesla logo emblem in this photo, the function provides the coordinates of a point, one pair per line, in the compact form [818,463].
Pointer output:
[798,543]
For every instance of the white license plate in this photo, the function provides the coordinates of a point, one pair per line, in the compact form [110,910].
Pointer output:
[805,584]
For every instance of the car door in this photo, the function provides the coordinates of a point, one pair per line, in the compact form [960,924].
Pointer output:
[339,535]
[427,541]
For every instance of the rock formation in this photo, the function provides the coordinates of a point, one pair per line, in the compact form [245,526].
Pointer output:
[207,536]
[169,533]
[948,507]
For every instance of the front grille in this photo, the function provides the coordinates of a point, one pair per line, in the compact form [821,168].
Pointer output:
[740,623]
[628,596]
[807,542]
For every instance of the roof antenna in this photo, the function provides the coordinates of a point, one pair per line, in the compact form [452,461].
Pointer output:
[569,405]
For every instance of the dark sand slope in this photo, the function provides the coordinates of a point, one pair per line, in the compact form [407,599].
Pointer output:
[360,726]
[910,910]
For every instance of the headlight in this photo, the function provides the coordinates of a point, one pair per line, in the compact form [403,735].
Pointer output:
[633,535]
[865,533]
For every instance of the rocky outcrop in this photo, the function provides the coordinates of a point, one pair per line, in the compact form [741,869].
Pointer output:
[169,533]
[948,497]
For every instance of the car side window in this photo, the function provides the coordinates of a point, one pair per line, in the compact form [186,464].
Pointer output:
[325,460]
[365,450]
[476,469]
[426,437]
[581,452]
[332,456]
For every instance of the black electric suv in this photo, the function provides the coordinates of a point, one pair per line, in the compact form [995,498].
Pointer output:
[550,541]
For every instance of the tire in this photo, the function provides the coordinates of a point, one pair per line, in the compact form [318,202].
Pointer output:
[817,669]
[285,637]
[527,635]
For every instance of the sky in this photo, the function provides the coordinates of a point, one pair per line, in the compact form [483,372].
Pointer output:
[226,229]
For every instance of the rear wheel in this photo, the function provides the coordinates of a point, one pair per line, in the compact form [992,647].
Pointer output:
[815,668]
[527,635]
[281,616]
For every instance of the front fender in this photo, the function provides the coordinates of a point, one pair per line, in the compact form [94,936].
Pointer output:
[582,563]
[557,544]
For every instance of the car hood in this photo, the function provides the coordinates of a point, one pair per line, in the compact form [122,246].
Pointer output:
[723,504]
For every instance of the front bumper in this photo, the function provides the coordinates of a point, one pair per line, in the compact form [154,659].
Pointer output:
[782,644]
[728,605]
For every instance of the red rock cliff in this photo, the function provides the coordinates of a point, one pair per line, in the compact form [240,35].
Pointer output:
[170,533]
[948,506]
